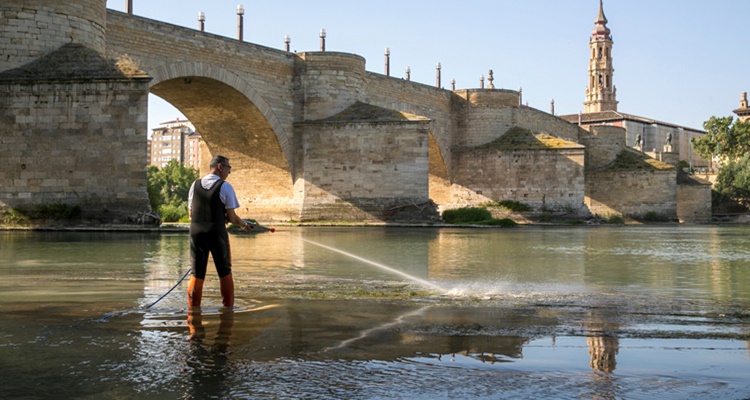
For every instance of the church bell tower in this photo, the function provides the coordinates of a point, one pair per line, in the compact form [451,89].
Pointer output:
[601,93]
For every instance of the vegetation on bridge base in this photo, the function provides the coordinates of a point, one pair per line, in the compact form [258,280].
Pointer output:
[475,216]
[41,212]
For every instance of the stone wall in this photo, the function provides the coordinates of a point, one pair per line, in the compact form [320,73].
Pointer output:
[694,203]
[76,144]
[543,179]
[632,193]
[361,170]
[422,100]
[604,143]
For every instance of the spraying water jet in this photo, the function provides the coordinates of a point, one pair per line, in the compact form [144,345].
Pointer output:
[419,281]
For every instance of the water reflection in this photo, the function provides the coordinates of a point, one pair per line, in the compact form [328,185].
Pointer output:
[590,313]
[208,362]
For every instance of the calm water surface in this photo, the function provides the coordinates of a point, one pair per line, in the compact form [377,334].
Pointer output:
[580,312]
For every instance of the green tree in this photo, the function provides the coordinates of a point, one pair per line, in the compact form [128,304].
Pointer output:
[168,189]
[724,137]
[733,179]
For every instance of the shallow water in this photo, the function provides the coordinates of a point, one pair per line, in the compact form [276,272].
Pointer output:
[579,312]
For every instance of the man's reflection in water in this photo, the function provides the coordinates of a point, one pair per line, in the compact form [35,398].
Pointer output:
[208,363]
[603,348]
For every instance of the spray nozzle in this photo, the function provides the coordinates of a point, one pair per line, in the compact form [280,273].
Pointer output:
[257,225]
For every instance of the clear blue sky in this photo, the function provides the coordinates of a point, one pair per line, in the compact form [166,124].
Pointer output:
[675,61]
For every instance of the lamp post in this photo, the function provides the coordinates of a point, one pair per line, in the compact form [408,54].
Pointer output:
[201,21]
[453,84]
[287,42]
[408,73]
[438,67]
[387,62]
[322,40]
[129,6]
[240,21]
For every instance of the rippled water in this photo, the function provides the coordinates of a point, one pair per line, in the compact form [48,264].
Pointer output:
[580,312]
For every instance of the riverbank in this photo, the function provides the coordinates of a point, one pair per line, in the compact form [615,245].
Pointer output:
[521,220]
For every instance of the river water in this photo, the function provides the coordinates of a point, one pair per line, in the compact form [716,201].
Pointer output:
[382,313]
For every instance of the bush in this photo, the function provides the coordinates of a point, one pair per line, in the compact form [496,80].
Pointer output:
[475,216]
[13,216]
[733,180]
[466,215]
[504,222]
[169,185]
[615,220]
[510,205]
[173,213]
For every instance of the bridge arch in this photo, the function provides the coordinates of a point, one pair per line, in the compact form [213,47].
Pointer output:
[165,76]
[235,121]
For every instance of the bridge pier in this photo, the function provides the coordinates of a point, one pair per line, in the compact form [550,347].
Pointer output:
[72,123]
[364,164]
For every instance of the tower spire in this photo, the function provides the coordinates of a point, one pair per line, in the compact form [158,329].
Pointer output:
[601,31]
[601,18]
[601,92]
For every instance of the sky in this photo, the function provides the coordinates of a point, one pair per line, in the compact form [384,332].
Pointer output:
[679,62]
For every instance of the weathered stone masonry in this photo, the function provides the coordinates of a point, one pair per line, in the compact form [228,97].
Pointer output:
[72,124]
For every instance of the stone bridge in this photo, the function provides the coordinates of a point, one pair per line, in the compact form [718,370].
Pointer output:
[311,136]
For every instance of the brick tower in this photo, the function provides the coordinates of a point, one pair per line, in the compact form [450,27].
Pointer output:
[601,93]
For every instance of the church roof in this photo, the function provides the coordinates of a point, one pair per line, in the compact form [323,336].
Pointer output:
[605,117]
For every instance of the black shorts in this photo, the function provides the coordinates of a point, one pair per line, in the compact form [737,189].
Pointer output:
[215,243]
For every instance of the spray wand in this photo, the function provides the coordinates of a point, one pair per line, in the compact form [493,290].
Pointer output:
[262,228]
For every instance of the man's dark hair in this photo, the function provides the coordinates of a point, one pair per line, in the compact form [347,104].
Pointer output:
[218,160]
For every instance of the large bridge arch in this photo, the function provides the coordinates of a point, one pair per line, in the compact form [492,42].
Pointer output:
[173,81]
[235,121]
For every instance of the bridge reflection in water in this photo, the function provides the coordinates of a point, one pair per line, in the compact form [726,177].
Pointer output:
[572,312]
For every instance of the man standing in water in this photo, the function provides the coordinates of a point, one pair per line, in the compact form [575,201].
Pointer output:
[211,204]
